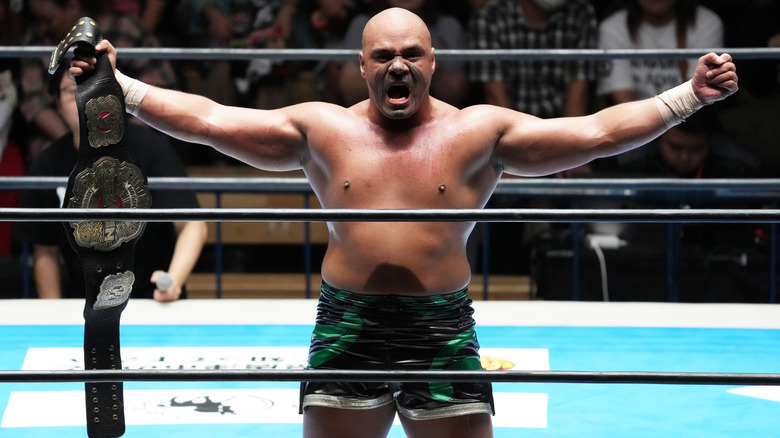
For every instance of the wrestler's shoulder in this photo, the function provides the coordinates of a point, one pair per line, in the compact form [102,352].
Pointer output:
[483,114]
[319,110]
[315,106]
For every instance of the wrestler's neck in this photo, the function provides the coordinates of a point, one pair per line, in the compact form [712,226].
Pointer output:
[424,115]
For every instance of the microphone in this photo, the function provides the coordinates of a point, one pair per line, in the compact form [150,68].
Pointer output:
[164,281]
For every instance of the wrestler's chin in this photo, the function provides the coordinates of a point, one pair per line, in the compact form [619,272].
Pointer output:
[398,112]
[397,115]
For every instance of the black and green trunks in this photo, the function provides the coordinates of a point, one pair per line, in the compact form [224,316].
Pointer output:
[392,332]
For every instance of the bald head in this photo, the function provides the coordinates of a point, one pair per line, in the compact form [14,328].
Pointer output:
[393,23]
[397,62]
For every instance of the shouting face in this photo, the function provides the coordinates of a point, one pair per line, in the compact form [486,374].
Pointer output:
[397,62]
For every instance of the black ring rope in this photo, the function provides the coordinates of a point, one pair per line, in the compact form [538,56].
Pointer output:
[178,53]
[223,375]
[748,187]
[382,215]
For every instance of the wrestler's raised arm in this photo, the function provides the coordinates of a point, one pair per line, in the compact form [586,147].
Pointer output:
[533,147]
[270,140]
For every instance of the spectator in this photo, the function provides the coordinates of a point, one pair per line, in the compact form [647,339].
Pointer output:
[209,23]
[11,141]
[542,88]
[330,21]
[158,16]
[694,149]
[654,24]
[290,24]
[266,24]
[164,246]
[11,161]
[256,83]
[150,12]
[51,20]
[450,83]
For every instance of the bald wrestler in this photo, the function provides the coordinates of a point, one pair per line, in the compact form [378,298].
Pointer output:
[394,294]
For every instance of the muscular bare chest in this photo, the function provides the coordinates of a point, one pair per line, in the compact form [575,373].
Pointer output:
[427,168]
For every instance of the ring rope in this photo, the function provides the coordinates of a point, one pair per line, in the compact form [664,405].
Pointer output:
[223,375]
[748,187]
[178,53]
[390,215]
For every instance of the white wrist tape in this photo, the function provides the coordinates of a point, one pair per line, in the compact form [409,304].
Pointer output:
[678,103]
[134,91]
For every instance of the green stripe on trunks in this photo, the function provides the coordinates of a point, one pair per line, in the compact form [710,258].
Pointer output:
[443,391]
[347,331]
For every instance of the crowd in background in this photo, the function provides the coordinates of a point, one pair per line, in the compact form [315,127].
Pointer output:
[542,88]
[740,139]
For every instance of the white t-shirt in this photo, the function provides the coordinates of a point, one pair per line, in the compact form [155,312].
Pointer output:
[649,77]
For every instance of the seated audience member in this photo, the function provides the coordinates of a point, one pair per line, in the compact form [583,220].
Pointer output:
[542,88]
[163,247]
[694,149]
[652,24]
[11,161]
[50,22]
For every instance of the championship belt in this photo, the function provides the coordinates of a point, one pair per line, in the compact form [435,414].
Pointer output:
[105,176]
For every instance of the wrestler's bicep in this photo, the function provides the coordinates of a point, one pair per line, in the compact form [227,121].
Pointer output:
[254,125]
[520,144]
[539,147]
[263,138]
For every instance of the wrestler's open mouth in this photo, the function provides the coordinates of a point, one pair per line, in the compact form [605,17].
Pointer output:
[398,93]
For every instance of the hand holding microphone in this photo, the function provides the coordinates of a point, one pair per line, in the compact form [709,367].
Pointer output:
[167,288]
[164,282]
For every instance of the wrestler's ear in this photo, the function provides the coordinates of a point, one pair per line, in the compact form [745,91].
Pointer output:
[362,65]
[433,61]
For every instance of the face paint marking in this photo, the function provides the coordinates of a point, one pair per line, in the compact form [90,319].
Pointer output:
[398,92]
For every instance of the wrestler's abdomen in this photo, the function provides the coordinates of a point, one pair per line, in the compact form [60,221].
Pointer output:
[416,258]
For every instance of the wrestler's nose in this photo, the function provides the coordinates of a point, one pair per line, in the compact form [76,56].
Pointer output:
[398,64]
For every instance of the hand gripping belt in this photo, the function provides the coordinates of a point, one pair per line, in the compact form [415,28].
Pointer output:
[105,176]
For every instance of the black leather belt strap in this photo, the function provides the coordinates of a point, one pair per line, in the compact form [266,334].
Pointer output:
[105,176]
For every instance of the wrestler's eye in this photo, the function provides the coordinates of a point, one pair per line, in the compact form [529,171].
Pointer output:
[413,54]
[382,56]
[398,92]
